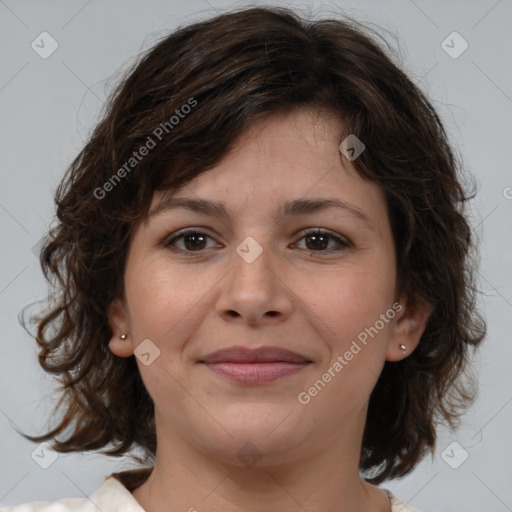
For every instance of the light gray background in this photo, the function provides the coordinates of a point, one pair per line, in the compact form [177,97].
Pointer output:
[48,106]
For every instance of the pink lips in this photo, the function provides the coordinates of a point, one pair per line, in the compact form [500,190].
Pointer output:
[253,366]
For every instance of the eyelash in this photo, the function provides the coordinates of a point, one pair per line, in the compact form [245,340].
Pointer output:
[343,244]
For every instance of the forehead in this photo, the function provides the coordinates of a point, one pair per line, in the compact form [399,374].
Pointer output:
[277,162]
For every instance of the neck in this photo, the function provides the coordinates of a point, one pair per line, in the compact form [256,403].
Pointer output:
[184,478]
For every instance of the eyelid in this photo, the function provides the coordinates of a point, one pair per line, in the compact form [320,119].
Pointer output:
[323,231]
[185,231]
[342,241]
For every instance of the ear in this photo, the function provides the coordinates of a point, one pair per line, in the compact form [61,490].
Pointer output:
[118,320]
[410,323]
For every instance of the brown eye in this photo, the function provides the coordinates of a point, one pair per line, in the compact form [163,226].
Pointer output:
[318,241]
[192,241]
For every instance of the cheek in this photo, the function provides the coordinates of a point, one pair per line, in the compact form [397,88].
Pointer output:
[348,302]
[348,315]
[165,300]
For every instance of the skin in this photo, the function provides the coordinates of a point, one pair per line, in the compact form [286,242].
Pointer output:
[297,294]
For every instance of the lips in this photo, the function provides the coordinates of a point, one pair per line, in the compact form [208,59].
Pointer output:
[260,355]
[255,366]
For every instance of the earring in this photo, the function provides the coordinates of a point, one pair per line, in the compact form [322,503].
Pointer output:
[123,336]
[402,348]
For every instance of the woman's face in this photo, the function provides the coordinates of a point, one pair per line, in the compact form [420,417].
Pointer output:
[255,276]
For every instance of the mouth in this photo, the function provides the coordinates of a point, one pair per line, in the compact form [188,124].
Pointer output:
[254,366]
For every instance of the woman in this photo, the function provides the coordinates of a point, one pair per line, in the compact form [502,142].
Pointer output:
[263,274]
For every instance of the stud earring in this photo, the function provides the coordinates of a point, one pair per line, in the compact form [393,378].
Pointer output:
[123,336]
[402,348]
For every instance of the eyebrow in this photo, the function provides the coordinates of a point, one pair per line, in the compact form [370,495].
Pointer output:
[291,208]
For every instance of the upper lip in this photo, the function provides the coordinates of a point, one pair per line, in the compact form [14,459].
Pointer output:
[257,355]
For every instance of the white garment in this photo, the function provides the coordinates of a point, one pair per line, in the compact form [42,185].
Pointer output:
[113,496]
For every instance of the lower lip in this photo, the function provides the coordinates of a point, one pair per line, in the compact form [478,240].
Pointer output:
[255,373]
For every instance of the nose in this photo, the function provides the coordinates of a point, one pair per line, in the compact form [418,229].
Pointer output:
[255,291]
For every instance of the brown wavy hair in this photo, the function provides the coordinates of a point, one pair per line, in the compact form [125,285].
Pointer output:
[237,68]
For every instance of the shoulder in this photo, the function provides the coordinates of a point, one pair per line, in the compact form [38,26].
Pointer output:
[397,505]
[64,505]
[111,496]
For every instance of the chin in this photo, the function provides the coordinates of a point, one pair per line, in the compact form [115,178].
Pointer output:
[262,439]
[252,452]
